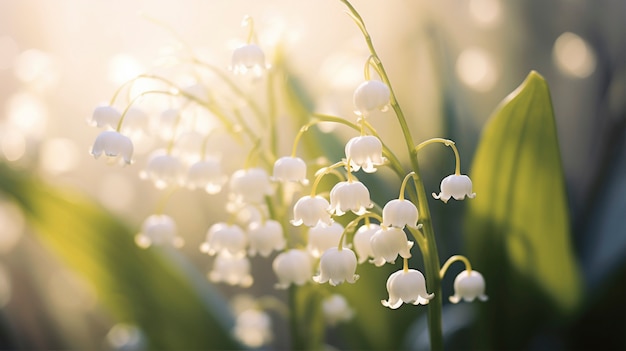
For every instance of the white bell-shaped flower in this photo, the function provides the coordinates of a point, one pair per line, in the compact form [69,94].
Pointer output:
[337,266]
[336,309]
[389,242]
[292,267]
[248,58]
[225,237]
[136,123]
[232,270]
[311,211]
[468,286]
[253,328]
[365,152]
[406,286]
[322,237]
[290,169]
[158,229]
[456,186]
[207,175]
[362,241]
[250,185]
[349,196]
[265,237]
[163,171]
[399,213]
[115,146]
[105,116]
[370,96]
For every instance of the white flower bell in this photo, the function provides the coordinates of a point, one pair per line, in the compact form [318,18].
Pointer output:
[456,186]
[250,185]
[349,196]
[248,58]
[224,237]
[105,116]
[253,328]
[292,267]
[336,309]
[365,152]
[311,211]
[389,242]
[406,286]
[115,146]
[163,171]
[399,213]
[265,237]
[158,229]
[206,175]
[362,241]
[232,270]
[322,237]
[136,123]
[469,286]
[290,169]
[337,266]
[370,96]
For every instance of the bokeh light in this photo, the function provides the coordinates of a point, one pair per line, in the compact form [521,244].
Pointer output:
[573,56]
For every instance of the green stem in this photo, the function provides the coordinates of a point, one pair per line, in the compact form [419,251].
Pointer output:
[430,254]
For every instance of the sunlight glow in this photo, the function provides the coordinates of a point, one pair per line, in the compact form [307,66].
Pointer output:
[13,145]
[485,12]
[27,113]
[573,55]
[476,69]
[123,67]
[58,155]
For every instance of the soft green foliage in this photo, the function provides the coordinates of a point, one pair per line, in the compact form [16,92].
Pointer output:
[518,227]
[144,287]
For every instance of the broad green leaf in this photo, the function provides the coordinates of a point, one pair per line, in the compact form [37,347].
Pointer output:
[518,227]
[174,309]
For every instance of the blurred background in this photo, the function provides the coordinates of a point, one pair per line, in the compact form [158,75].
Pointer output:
[450,62]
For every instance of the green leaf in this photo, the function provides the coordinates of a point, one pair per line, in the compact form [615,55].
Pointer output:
[174,309]
[519,224]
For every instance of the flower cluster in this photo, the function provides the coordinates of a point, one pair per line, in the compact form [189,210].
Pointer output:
[308,245]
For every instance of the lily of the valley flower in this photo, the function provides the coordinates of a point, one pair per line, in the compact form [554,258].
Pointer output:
[336,309]
[290,169]
[362,241]
[337,266]
[264,237]
[349,196]
[253,328]
[232,270]
[406,286]
[311,211]
[223,237]
[115,146]
[389,242]
[322,237]
[105,116]
[248,58]
[206,175]
[469,286]
[456,186]
[399,213]
[370,96]
[158,229]
[250,185]
[164,171]
[365,152]
[292,267]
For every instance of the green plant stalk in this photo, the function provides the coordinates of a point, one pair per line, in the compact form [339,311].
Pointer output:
[429,252]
